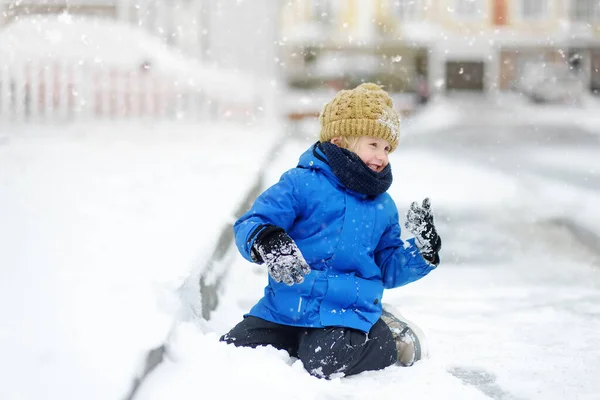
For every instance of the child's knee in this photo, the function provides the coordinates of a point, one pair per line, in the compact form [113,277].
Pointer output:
[326,361]
[324,367]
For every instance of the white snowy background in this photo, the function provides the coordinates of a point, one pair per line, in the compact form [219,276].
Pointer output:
[105,227]
[101,225]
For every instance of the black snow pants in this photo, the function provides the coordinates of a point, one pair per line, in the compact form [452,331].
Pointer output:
[325,352]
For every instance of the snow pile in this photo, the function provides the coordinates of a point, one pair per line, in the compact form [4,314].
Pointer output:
[87,41]
[100,227]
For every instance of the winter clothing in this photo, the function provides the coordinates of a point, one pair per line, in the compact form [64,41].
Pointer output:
[330,237]
[366,110]
[354,174]
[325,353]
[284,261]
[408,338]
[419,221]
[351,240]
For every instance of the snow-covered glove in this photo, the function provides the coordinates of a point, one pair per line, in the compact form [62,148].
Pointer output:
[282,256]
[419,221]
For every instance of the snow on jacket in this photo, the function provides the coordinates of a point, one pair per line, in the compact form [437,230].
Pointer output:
[351,242]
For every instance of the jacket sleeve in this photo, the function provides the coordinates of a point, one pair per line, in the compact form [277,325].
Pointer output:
[401,263]
[277,206]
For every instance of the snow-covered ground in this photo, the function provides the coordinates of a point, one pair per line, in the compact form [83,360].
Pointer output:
[101,225]
[508,315]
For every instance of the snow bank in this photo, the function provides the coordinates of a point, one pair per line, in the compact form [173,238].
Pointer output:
[87,40]
[100,227]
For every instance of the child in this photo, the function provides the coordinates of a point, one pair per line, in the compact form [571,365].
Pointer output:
[329,236]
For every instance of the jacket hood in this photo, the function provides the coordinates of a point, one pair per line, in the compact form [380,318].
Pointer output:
[315,159]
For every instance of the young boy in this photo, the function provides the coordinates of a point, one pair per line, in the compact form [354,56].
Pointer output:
[329,236]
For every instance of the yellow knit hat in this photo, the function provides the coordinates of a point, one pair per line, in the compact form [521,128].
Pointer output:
[366,110]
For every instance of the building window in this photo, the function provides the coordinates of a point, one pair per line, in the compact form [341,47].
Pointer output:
[534,9]
[468,8]
[585,10]
[408,10]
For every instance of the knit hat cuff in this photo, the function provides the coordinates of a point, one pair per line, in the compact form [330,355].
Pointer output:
[357,128]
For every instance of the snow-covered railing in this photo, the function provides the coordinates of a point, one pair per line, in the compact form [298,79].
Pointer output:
[57,91]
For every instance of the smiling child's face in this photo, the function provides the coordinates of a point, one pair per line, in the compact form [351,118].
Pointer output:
[373,151]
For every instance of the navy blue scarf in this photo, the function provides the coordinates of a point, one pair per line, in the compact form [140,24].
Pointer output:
[353,172]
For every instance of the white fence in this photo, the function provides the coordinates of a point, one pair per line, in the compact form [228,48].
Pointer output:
[58,91]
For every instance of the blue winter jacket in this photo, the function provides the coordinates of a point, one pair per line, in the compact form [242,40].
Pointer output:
[351,242]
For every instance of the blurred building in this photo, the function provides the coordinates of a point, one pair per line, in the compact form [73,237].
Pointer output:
[341,43]
[223,50]
[475,45]
[233,34]
[166,19]
[12,9]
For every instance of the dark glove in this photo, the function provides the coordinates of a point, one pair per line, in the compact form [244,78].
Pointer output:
[282,256]
[419,221]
